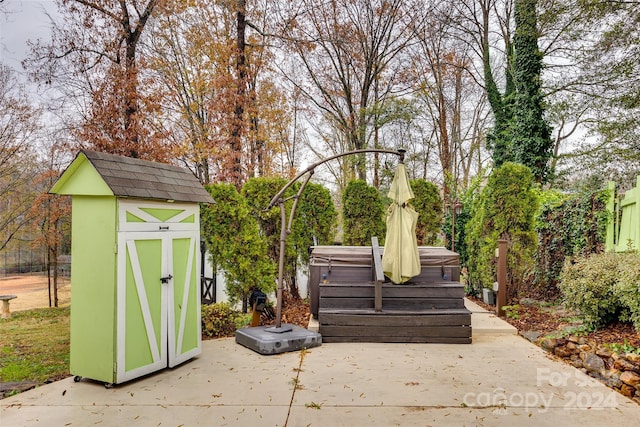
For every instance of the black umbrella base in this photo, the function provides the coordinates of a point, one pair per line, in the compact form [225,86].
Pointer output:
[271,340]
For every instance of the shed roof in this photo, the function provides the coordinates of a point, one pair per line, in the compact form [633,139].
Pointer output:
[129,177]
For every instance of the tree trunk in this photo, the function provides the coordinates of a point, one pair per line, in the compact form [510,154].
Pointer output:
[49,274]
[132,138]
[55,278]
[376,135]
[445,150]
[235,141]
[131,107]
[293,287]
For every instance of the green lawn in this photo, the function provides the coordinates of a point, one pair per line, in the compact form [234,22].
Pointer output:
[34,345]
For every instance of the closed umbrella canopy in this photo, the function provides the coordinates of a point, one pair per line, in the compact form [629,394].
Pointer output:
[401,261]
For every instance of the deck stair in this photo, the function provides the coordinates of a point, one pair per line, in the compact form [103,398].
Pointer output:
[428,309]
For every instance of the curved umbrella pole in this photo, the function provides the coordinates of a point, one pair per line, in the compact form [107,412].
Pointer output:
[285,228]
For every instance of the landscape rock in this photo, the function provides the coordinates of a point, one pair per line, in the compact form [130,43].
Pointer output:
[603,352]
[611,373]
[576,363]
[573,339]
[630,378]
[624,365]
[608,362]
[612,382]
[531,335]
[592,362]
[585,347]
[627,390]
[611,377]
[549,343]
[633,358]
[562,351]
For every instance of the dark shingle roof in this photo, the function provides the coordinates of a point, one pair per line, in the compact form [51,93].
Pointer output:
[129,177]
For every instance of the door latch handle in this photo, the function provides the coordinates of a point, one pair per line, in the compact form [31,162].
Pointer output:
[165,280]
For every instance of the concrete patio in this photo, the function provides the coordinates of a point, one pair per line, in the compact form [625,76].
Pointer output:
[499,379]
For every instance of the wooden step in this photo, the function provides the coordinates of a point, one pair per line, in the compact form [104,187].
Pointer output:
[386,331]
[443,329]
[397,339]
[441,317]
[433,326]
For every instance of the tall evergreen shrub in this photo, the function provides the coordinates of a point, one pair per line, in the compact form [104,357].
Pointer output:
[233,239]
[315,216]
[258,192]
[505,209]
[363,214]
[428,205]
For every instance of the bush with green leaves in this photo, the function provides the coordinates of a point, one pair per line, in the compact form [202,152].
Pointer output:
[587,285]
[505,209]
[460,245]
[258,192]
[627,288]
[363,214]
[315,216]
[603,287]
[235,244]
[220,320]
[428,205]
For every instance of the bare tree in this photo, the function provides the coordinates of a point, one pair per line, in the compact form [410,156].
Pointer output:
[50,216]
[18,125]
[349,51]
[449,93]
[193,61]
[188,57]
[94,58]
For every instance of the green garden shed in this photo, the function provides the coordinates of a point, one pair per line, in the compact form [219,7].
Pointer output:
[135,291]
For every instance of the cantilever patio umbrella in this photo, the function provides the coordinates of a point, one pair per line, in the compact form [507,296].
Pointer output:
[401,261]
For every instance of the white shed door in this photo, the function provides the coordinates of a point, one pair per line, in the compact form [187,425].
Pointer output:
[158,301]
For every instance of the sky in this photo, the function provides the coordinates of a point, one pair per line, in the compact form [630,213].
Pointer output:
[21,20]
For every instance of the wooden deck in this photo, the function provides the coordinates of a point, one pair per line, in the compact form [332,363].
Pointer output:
[429,310]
